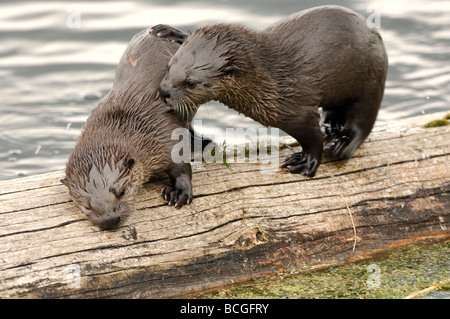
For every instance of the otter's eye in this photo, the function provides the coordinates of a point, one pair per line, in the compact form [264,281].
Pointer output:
[85,204]
[121,193]
[190,84]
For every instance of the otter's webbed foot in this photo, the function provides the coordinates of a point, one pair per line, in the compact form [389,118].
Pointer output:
[337,140]
[168,32]
[179,192]
[338,146]
[301,163]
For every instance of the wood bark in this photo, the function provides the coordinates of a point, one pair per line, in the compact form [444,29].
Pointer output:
[243,223]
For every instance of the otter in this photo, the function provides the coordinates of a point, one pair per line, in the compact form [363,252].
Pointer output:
[321,58]
[127,139]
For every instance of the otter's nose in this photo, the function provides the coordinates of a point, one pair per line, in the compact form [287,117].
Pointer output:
[110,222]
[164,91]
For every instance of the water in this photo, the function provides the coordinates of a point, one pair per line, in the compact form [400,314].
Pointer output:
[52,73]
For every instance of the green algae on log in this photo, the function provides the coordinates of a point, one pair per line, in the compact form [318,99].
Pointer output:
[394,275]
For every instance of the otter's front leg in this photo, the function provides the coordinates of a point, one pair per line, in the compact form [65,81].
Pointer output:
[168,32]
[179,192]
[307,132]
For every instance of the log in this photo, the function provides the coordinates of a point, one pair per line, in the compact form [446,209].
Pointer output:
[242,224]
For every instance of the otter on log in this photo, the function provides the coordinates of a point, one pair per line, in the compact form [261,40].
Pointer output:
[325,57]
[127,139]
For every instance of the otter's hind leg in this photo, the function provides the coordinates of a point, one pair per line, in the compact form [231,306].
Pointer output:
[345,128]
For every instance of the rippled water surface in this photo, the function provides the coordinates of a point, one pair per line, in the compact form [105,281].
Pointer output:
[53,73]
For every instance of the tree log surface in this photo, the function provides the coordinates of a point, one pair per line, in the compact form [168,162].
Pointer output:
[242,224]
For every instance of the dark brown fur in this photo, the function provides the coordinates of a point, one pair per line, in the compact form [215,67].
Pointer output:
[127,139]
[325,57]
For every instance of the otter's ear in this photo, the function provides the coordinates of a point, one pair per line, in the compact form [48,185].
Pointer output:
[129,163]
[228,71]
[65,181]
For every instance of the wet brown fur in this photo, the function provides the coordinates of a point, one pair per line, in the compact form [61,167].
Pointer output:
[127,138]
[325,57]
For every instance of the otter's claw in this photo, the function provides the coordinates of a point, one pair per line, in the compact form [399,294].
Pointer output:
[338,146]
[176,196]
[301,163]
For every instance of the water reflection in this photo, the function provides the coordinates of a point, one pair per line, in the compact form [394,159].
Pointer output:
[52,75]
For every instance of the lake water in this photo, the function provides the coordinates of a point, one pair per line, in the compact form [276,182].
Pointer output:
[58,59]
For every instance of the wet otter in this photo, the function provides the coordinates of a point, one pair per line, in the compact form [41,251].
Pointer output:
[325,57]
[127,139]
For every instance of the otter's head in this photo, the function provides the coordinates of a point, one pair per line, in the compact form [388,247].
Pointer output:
[199,71]
[105,194]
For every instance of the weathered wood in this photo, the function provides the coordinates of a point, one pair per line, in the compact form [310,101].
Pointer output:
[242,223]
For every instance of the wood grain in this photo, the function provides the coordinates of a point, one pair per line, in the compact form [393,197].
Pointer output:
[242,224]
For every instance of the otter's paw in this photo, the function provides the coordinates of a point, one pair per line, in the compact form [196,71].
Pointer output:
[168,32]
[176,196]
[338,147]
[329,130]
[301,163]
